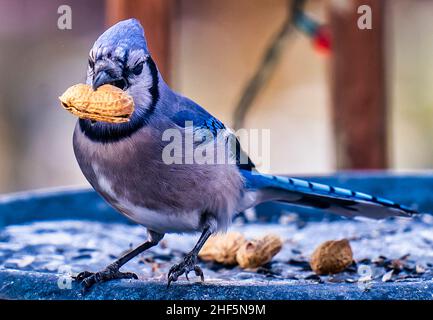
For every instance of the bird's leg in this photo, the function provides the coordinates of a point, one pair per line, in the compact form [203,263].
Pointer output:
[189,263]
[112,272]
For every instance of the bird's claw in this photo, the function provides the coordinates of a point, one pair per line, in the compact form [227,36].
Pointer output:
[88,279]
[188,264]
[82,275]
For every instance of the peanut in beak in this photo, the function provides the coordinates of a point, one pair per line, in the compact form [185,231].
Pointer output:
[108,103]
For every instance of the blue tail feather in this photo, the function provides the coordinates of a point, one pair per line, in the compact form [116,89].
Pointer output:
[335,199]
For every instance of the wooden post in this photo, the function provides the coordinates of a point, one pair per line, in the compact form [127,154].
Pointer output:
[155,16]
[358,87]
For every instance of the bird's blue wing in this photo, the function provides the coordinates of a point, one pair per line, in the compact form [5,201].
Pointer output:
[198,120]
[191,112]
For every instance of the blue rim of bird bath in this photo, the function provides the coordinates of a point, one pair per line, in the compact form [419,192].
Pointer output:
[84,205]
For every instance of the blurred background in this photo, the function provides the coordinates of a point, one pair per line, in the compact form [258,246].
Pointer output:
[334,97]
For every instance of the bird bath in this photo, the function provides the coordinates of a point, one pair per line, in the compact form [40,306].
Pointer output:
[47,235]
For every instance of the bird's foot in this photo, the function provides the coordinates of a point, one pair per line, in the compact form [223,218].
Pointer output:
[88,279]
[188,264]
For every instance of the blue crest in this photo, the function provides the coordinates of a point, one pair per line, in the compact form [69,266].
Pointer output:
[127,33]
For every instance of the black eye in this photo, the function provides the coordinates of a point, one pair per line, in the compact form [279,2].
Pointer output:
[91,63]
[138,68]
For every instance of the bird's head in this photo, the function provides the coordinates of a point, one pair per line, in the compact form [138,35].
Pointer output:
[120,57]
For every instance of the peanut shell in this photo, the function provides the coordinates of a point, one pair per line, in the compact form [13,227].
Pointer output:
[108,103]
[255,253]
[222,248]
[331,257]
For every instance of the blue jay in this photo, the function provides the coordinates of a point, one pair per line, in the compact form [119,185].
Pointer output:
[123,162]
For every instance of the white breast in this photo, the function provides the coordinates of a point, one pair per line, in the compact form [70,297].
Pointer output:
[162,222]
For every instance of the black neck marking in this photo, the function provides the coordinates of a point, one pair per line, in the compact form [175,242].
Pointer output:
[108,132]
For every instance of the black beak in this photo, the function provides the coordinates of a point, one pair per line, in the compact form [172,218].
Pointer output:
[103,77]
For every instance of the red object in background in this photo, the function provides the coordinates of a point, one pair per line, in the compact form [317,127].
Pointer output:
[322,40]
